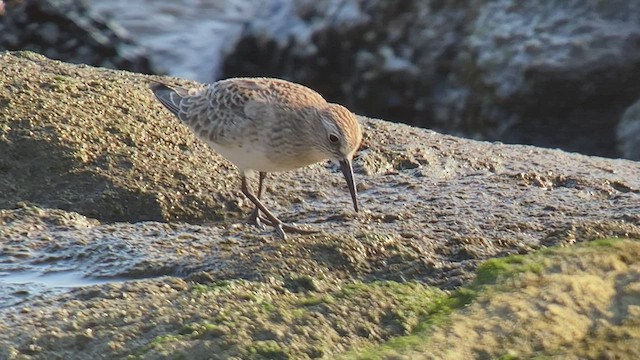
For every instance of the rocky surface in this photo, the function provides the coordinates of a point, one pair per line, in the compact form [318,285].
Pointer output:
[66,30]
[104,191]
[573,303]
[550,73]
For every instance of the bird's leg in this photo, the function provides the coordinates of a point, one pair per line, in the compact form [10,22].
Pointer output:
[270,218]
[254,218]
[274,221]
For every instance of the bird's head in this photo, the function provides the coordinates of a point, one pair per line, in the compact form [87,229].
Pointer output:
[342,136]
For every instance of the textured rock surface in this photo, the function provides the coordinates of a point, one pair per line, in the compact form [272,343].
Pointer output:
[65,30]
[551,73]
[98,182]
[576,303]
[80,157]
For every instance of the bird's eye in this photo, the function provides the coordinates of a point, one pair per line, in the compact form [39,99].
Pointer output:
[333,138]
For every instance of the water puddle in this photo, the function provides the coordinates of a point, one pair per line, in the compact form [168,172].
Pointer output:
[56,279]
[17,287]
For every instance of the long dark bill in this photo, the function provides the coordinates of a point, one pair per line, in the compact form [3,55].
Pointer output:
[347,171]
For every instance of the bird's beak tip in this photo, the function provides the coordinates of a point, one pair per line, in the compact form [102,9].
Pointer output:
[347,171]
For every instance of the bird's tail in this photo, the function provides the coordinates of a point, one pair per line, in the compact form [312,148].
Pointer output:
[168,96]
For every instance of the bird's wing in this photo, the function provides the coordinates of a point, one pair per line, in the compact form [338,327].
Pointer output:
[240,91]
[258,110]
[175,99]
[167,96]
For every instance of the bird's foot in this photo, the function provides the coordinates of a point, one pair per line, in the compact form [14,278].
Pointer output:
[282,227]
[255,219]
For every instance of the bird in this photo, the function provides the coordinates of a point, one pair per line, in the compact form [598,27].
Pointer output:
[266,125]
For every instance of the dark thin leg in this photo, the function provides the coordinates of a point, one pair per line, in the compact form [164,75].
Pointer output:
[254,218]
[275,222]
[261,176]
[271,219]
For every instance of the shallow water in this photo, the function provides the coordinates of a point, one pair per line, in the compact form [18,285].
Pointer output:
[54,279]
[17,287]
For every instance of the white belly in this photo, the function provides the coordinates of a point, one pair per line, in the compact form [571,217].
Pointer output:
[254,157]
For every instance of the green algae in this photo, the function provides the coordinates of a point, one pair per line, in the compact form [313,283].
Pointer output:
[511,274]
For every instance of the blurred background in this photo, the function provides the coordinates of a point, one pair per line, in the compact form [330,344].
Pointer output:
[553,73]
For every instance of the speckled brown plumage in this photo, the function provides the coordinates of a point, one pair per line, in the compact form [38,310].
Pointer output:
[266,125]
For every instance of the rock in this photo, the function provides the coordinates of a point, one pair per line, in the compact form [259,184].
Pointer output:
[552,73]
[95,142]
[381,58]
[97,161]
[628,132]
[66,30]
[549,73]
[100,184]
[536,316]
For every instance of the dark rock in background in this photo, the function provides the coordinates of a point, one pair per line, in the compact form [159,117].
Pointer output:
[65,30]
[553,73]
[380,58]
[549,73]
[628,132]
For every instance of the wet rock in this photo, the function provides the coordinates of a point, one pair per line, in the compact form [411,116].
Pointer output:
[551,73]
[66,30]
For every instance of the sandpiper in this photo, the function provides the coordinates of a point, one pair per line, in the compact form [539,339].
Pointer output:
[267,125]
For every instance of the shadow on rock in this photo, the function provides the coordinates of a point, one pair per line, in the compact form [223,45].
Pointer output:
[49,177]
